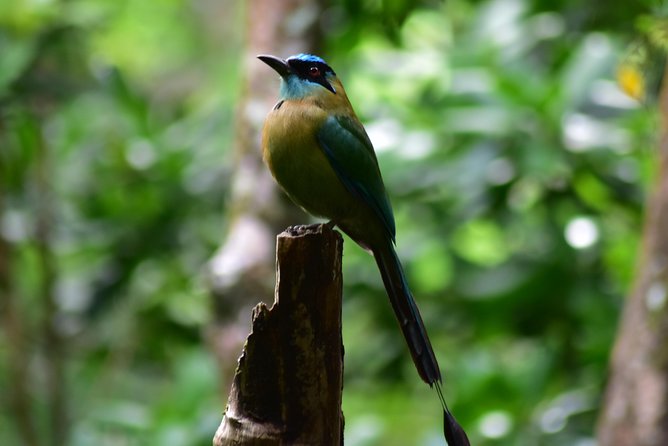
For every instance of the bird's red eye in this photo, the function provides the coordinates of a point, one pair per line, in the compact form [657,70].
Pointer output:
[314,71]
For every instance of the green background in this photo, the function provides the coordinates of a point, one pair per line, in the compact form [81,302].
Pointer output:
[516,166]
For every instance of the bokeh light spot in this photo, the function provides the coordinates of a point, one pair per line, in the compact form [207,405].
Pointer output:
[581,232]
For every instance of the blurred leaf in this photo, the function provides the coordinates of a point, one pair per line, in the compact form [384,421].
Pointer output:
[481,242]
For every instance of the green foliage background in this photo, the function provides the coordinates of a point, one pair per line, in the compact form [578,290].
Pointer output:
[517,169]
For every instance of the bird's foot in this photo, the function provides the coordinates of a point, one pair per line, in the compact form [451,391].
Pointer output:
[304,229]
[316,228]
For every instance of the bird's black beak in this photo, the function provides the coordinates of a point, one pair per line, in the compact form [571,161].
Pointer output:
[278,64]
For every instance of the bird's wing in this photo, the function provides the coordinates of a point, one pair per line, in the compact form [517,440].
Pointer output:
[349,151]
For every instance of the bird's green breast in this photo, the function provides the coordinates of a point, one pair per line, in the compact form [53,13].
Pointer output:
[293,156]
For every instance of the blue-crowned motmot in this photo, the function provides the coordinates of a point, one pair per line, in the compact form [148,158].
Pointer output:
[320,154]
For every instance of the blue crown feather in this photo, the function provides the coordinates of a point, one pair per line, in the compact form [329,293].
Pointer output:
[308,58]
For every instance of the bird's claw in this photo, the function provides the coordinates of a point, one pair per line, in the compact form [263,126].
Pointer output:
[313,228]
[303,229]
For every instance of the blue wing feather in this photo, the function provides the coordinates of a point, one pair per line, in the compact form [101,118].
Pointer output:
[350,153]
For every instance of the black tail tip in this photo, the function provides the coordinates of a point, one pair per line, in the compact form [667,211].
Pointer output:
[454,434]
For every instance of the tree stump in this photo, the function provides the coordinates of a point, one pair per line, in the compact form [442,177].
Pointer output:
[288,383]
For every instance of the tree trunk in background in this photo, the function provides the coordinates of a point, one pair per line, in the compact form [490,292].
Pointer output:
[287,387]
[11,321]
[242,270]
[636,405]
[54,75]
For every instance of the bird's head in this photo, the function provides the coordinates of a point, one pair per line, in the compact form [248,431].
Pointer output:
[303,75]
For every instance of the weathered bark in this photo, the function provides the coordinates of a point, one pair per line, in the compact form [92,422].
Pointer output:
[288,383]
[256,209]
[636,404]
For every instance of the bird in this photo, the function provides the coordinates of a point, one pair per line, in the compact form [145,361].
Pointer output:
[320,154]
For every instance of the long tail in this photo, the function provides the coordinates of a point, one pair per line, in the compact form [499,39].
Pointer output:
[414,331]
[407,314]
